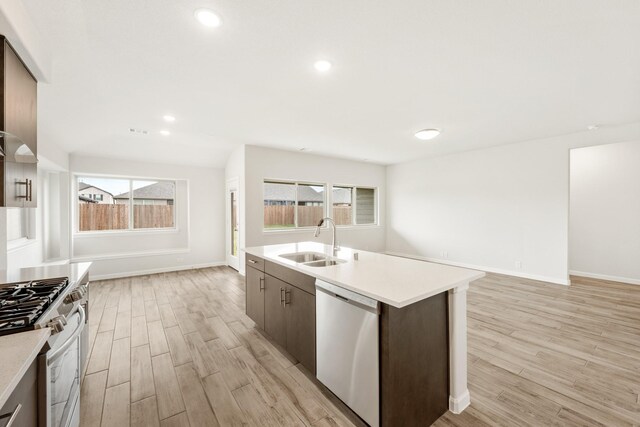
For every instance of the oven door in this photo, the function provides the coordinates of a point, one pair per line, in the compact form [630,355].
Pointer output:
[61,366]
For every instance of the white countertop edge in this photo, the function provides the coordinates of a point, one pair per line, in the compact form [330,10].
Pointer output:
[398,304]
[43,336]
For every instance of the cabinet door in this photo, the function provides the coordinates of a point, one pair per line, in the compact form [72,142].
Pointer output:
[274,319]
[255,296]
[300,311]
[20,97]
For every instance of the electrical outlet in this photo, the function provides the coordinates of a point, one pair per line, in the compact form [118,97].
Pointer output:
[518,265]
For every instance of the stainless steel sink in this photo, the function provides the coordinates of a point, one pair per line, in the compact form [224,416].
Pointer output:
[325,263]
[304,257]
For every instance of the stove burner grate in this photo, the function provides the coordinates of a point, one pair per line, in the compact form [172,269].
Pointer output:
[22,304]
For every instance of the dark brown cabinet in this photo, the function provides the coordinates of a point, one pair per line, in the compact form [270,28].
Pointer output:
[255,296]
[286,311]
[21,408]
[300,313]
[274,315]
[18,93]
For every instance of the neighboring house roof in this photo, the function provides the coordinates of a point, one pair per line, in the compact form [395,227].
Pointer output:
[83,186]
[163,190]
[86,199]
[305,194]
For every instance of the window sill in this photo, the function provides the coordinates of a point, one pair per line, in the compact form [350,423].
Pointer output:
[311,229]
[17,244]
[115,233]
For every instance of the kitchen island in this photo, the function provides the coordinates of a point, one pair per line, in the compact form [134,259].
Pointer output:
[422,333]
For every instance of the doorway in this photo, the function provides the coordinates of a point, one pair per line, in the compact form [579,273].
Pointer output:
[233,224]
[604,231]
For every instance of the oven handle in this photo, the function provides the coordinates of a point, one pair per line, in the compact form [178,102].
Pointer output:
[59,352]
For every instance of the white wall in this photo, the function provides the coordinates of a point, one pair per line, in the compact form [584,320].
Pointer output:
[604,231]
[197,242]
[265,163]
[491,208]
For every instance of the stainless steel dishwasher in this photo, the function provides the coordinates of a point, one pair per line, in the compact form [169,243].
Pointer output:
[347,348]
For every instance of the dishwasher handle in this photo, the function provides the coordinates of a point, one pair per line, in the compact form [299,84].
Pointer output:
[349,297]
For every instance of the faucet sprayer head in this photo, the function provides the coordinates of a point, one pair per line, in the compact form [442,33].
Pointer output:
[317,233]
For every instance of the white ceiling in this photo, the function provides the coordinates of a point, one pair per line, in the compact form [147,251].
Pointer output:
[485,72]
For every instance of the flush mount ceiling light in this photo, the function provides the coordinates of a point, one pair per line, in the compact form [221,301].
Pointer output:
[593,127]
[165,132]
[169,118]
[427,134]
[208,18]
[322,66]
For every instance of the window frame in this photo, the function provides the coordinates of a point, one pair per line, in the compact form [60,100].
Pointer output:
[88,233]
[328,204]
[295,204]
[354,207]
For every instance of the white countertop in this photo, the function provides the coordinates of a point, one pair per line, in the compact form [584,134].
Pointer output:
[18,352]
[73,271]
[389,279]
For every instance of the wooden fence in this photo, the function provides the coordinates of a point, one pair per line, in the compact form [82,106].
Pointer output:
[308,216]
[95,217]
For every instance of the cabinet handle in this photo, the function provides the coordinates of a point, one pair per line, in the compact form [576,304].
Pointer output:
[282,296]
[261,284]
[285,297]
[30,187]
[26,189]
[253,261]
[13,415]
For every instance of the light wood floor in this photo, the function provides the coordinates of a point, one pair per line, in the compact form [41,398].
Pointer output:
[176,350]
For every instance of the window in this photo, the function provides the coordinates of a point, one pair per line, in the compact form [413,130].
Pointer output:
[354,205]
[310,208]
[365,205]
[295,204]
[125,204]
[292,204]
[17,224]
[342,205]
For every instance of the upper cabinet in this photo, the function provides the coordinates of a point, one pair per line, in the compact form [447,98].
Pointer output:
[18,126]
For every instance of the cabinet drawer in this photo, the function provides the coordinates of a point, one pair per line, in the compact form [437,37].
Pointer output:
[25,395]
[255,262]
[295,278]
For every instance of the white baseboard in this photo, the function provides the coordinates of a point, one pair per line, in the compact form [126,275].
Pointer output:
[156,270]
[127,255]
[540,278]
[605,277]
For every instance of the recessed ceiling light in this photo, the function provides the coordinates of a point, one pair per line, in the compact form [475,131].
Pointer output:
[169,118]
[427,134]
[322,66]
[208,18]
[593,127]
[165,132]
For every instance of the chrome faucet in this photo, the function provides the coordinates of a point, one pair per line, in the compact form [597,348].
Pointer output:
[333,241]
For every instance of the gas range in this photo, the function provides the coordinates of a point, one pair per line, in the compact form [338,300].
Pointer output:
[54,297]
[34,304]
